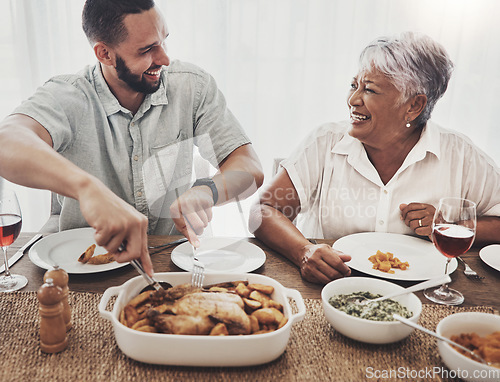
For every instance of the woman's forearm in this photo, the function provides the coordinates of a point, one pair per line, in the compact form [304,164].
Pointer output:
[488,230]
[278,232]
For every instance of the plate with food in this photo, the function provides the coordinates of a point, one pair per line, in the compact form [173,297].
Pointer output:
[220,254]
[74,251]
[394,256]
[491,255]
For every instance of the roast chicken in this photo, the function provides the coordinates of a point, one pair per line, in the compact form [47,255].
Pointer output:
[195,312]
[171,324]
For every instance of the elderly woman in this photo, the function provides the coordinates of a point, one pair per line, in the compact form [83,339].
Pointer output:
[384,170]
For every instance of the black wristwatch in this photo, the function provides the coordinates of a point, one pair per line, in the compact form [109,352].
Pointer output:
[210,183]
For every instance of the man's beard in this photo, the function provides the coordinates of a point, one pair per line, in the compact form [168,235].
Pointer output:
[135,82]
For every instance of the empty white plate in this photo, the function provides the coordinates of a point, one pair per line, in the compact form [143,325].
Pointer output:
[220,254]
[491,255]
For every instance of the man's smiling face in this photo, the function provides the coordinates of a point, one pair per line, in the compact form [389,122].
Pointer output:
[140,57]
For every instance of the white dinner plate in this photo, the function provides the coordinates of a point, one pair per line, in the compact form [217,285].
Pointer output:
[491,255]
[220,254]
[65,247]
[425,260]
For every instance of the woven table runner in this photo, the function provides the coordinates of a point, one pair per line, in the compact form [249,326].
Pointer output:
[315,351]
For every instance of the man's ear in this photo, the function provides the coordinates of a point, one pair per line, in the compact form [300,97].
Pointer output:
[104,54]
[416,107]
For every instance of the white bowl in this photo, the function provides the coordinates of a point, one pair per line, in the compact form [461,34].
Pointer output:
[468,322]
[186,350]
[359,329]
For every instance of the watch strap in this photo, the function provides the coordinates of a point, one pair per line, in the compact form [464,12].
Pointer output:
[210,183]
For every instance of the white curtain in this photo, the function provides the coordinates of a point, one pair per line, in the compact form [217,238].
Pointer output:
[283,65]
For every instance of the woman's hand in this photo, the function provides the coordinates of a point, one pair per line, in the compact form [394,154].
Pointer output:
[322,264]
[418,216]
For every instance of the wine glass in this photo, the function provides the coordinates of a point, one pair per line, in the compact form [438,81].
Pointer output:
[453,232]
[10,227]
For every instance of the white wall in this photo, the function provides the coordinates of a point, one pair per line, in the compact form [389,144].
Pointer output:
[284,65]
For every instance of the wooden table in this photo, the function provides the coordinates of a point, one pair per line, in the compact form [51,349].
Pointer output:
[477,292]
[314,351]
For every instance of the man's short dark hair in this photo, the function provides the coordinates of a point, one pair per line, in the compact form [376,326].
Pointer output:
[102,20]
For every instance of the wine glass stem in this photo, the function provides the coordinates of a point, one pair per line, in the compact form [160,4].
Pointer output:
[446,266]
[444,287]
[7,271]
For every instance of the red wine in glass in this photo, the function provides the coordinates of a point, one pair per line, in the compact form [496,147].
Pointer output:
[10,227]
[452,240]
[453,232]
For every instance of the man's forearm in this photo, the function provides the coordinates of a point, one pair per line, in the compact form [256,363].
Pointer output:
[240,175]
[28,160]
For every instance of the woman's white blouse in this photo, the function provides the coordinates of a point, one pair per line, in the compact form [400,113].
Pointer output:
[341,192]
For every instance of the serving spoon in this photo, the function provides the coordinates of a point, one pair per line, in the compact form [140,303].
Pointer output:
[444,339]
[360,300]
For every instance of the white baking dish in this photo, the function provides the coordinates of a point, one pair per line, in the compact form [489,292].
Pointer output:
[174,349]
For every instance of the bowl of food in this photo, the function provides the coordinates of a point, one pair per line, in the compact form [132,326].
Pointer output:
[476,331]
[235,320]
[373,322]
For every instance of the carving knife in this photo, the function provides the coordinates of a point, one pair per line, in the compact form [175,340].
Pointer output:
[11,261]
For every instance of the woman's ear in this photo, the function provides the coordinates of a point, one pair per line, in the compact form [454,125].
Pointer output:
[104,54]
[417,105]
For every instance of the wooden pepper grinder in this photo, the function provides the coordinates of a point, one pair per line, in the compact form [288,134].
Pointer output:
[60,278]
[52,328]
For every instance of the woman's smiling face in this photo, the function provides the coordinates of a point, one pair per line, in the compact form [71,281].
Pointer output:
[377,117]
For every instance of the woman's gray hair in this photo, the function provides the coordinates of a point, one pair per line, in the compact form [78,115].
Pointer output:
[414,63]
